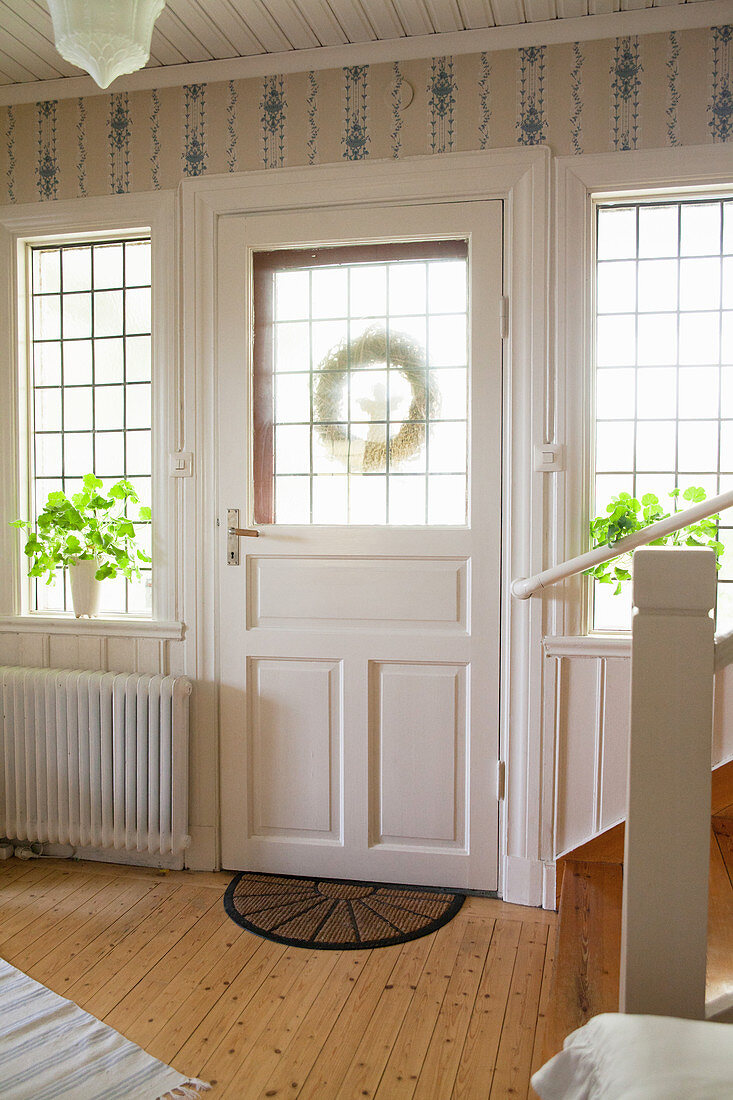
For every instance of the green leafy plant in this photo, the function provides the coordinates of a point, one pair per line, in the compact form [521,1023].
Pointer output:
[625,514]
[89,526]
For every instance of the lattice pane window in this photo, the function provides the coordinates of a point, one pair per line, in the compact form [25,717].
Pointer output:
[91,388]
[664,359]
[361,385]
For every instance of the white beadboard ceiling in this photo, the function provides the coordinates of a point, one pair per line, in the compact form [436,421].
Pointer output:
[192,32]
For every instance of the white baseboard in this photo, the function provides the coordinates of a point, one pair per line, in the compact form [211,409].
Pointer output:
[549,886]
[201,854]
[523,881]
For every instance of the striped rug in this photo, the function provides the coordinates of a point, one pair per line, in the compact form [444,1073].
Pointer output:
[51,1050]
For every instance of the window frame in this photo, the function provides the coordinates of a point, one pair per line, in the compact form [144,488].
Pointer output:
[683,480]
[95,219]
[266,264]
[581,182]
[31,248]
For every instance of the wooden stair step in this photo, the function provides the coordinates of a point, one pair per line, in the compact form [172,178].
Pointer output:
[722,789]
[590,890]
[586,972]
[719,977]
[608,846]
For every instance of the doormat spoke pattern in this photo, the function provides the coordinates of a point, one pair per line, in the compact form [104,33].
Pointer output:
[335,914]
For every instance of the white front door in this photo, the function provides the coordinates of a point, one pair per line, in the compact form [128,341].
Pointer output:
[359,633]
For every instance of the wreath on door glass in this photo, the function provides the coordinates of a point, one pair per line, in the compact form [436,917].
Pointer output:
[375,345]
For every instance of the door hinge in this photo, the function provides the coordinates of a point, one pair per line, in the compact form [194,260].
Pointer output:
[500,779]
[504,317]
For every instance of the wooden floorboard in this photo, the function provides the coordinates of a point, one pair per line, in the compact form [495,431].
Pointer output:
[538,1053]
[516,1046]
[443,1054]
[293,1065]
[476,1070]
[409,989]
[428,1014]
[454,1014]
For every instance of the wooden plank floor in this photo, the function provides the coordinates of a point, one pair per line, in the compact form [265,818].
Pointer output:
[458,1014]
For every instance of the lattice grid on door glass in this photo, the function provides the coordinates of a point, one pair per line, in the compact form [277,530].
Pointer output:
[91,388]
[664,364]
[361,384]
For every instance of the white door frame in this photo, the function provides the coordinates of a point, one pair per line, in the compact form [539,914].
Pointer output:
[521,178]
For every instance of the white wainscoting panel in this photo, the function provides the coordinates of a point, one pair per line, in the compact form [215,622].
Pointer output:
[295,748]
[112,653]
[418,739]
[586,719]
[576,751]
[613,741]
[336,593]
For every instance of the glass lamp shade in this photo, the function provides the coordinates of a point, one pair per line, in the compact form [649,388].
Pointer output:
[105,37]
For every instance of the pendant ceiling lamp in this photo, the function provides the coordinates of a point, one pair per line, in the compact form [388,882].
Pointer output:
[105,37]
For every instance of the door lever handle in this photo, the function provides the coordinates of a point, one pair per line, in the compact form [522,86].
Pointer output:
[233,533]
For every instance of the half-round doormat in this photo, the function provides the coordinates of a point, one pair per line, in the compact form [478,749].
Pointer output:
[336,915]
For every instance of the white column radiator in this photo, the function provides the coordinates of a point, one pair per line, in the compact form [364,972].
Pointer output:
[94,759]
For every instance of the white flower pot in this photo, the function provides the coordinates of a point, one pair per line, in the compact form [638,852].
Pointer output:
[85,588]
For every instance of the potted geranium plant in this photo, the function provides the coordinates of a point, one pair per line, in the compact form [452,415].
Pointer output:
[92,534]
[626,514]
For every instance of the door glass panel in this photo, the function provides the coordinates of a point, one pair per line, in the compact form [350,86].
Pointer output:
[360,387]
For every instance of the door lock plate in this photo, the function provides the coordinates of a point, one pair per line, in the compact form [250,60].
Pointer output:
[232,540]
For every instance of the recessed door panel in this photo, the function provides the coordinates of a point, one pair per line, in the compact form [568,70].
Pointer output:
[385,593]
[295,741]
[418,745]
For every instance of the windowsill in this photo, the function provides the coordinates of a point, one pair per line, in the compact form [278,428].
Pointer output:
[619,645]
[589,645]
[61,623]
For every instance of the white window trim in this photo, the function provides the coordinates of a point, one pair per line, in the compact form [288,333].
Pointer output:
[90,218]
[579,181]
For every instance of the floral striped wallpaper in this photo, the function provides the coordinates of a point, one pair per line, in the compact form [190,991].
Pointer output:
[585,97]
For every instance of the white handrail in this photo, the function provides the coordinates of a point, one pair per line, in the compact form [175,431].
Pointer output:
[524,587]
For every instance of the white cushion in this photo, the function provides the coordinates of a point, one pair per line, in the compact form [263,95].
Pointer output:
[623,1057]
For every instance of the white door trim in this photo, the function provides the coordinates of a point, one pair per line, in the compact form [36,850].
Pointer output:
[521,178]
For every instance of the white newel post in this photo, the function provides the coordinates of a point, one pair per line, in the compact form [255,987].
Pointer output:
[667,855]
